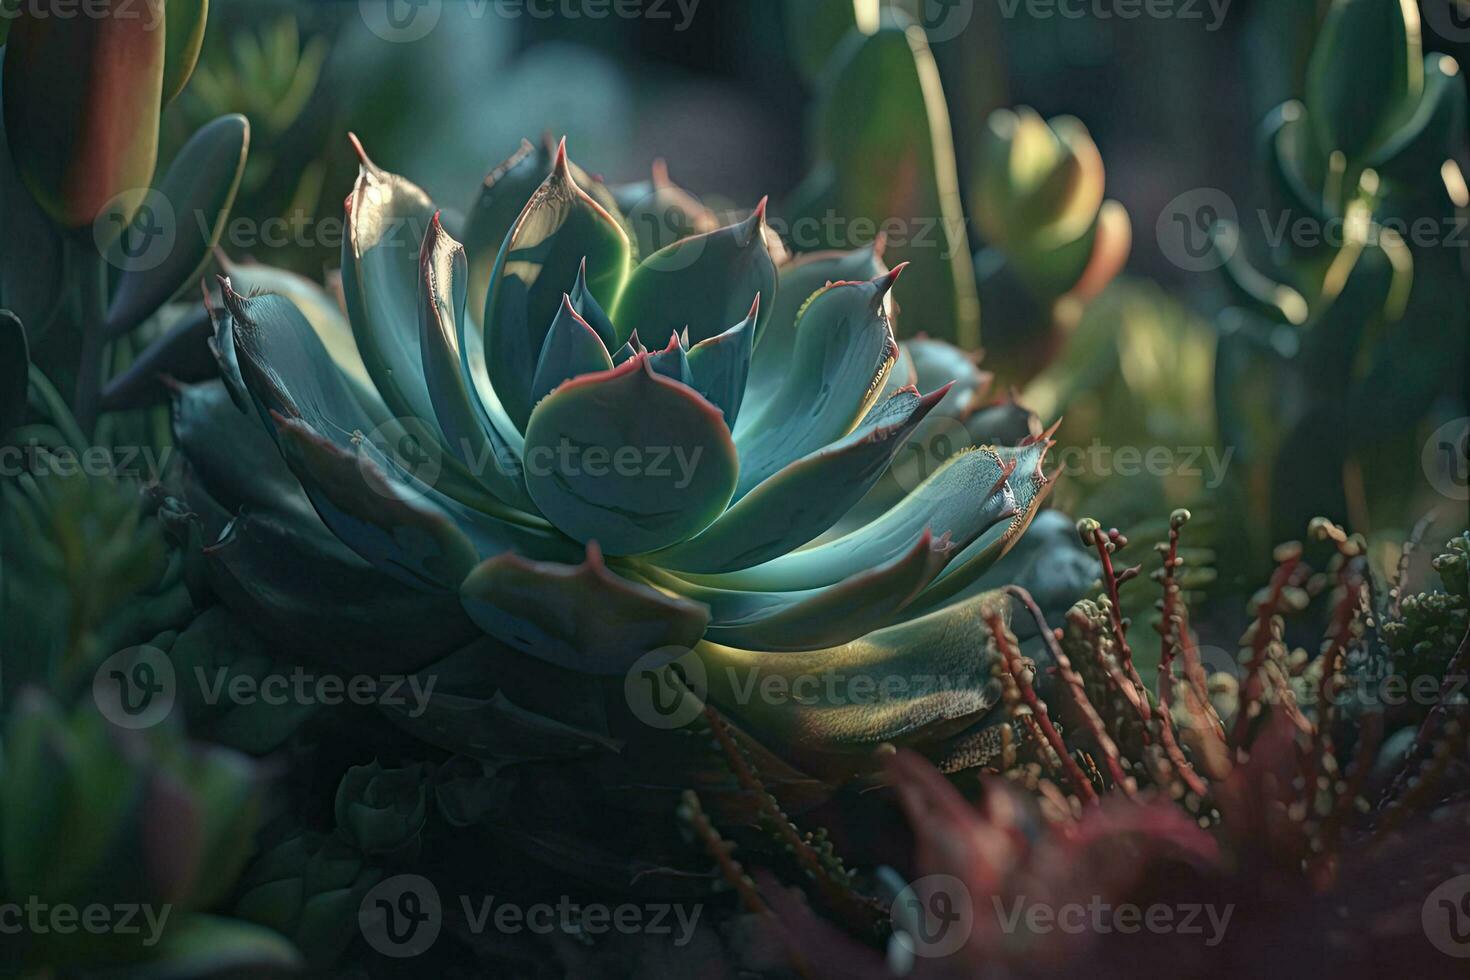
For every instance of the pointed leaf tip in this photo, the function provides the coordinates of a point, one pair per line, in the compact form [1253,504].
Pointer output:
[560,165]
[362,157]
[750,227]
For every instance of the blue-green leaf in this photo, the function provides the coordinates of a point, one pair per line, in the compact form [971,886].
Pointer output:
[704,283]
[844,350]
[561,228]
[629,458]
[572,348]
[582,617]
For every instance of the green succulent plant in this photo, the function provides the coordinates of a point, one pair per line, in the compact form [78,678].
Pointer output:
[383,811]
[92,815]
[1343,334]
[1053,241]
[308,887]
[597,505]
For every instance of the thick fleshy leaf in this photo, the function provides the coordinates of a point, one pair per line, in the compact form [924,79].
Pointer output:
[387,219]
[15,365]
[800,280]
[672,361]
[181,354]
[273,561]
[199,186]
[1366,73]
[704,283]
[183,39]
[465,427]
[936,363]
[1027,489]
[380,510]
[966,496]
[909,684]
[583,617]
[383,520]
[721,365]
[629,458]
[883,128]
[844,350]
[807,497]
[631,347]
[560,228]
[572,349]
[503,196]
[787,621]
[82,97]
[325,317]
[590,310]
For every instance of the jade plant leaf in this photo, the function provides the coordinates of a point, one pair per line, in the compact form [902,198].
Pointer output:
[199,187]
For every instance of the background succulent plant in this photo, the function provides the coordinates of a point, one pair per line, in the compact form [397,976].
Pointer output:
[1053,242]
[1328,355]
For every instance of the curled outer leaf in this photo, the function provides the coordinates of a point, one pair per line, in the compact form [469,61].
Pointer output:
[911,684]
[583,617]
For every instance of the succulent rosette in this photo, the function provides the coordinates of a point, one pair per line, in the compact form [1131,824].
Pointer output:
[726,494]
